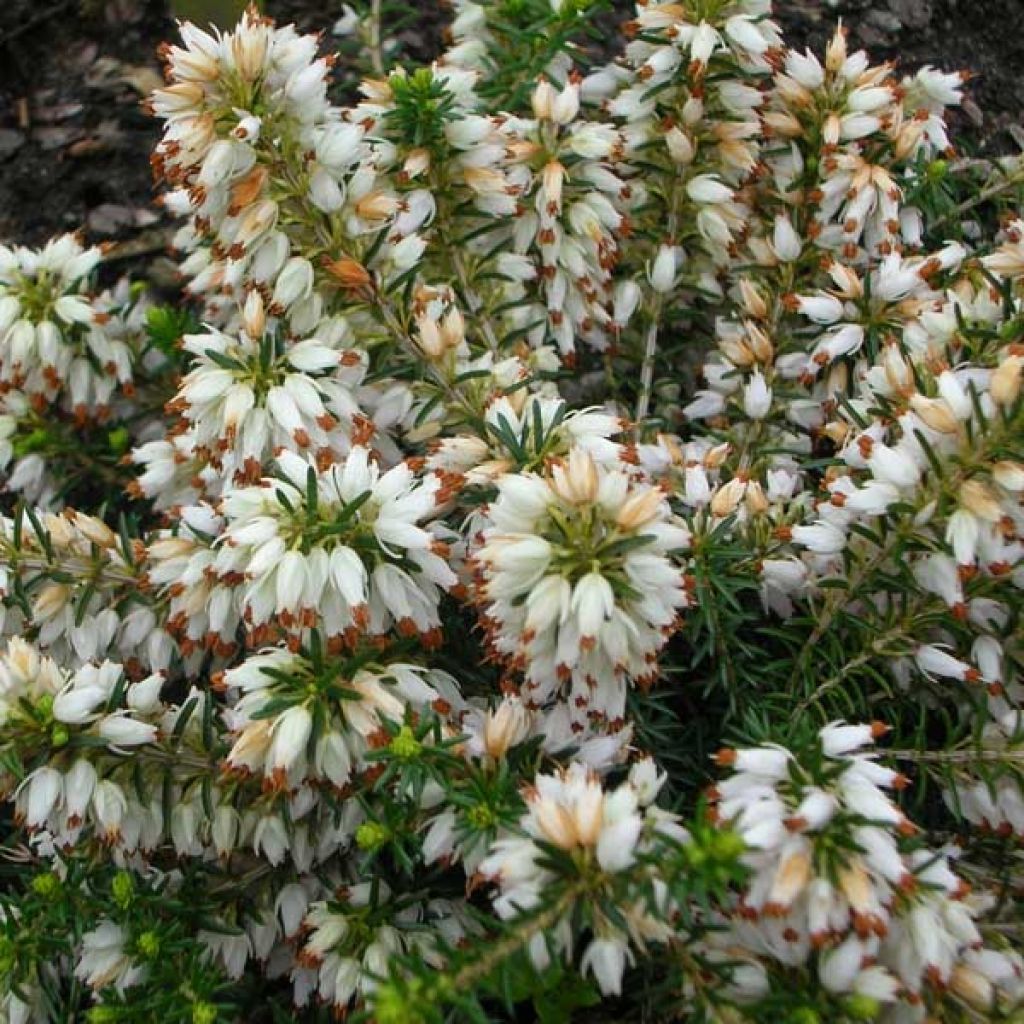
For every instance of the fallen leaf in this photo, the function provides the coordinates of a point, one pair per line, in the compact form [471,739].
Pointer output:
[103,72]
[56,136]
[89,147]
[84,56]
[109,218]
[10,142]
[142,78]
[59,112]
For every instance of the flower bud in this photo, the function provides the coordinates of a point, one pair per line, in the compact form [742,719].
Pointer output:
[935,414]
[1005,385]
[681,146]
[663,270]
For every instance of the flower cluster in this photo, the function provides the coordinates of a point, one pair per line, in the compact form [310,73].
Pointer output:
[68,356]
[343,549]
[535,425]
[572,817]
[58,339]
[838,881]
[578,582]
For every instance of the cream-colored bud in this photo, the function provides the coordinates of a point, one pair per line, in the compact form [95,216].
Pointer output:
[835,52]
[1009,475]
[59,530]
[453,328]
[171,547]
[791,878]
[543,100]
[681,146]
[935,413]
[728,497]
[93,529]
[50,601]
[897,373]
[737,351]
[639,509]
[977,497]
[249,51]
[752,300]
[429,338]
[717,455]
[973,987]
[416,163]
[846,280]
[377,206]
[783,124]
[576,481]
[254,317]
[426,431]
[761,344]
[505,726]
[855,884]
[551,182]
[755,499]
[1005,385]
[555,823]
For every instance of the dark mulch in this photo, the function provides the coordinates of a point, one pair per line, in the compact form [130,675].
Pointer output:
[74,141]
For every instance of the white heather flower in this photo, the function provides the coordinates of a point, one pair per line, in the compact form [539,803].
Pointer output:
[60,343]
[824,849]
[104,960]
[821,537]
[785,241]
[663,270]
[38,795]
[932,660]
[895,466]
[290,734]
[573,812]
[705,188]
[121,730]
[279,745]
[606,959]
[757,397]
[578,579]
[343,548]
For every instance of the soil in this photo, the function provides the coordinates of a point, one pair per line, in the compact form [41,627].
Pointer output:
[74,141]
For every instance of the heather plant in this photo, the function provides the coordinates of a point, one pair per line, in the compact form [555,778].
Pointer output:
[563,560]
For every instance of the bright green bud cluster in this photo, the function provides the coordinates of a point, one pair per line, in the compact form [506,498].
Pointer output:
[204,1013]
[371,836]
[148,945]
[103,1015]
[46,885]
[804,1015]
[481,817]
[393,1005]
[123,889]
[861,1007]
[405,745]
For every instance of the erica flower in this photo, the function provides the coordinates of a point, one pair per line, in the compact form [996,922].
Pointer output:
[577,580]
[59,341]
[873,899]
[603,830]
[347,707]
[104,960]
[251,394]
[342,548]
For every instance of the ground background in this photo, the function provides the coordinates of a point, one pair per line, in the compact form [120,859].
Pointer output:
[74,141]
